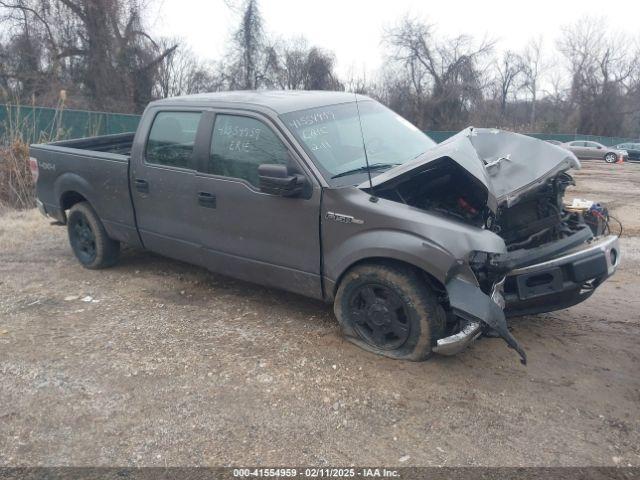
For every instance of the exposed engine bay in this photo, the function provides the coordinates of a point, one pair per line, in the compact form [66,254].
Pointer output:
[445,188]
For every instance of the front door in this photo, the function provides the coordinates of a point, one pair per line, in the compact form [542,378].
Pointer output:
[248,234]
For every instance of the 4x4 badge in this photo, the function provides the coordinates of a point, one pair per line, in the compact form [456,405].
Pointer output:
[340,218]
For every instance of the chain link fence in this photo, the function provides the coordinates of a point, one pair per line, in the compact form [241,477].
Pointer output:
[36,124]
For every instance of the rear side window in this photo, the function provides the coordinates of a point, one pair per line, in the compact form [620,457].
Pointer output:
[240,144]
[172,138]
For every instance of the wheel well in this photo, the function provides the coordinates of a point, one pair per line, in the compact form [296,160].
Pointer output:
[69,199]
[437,286]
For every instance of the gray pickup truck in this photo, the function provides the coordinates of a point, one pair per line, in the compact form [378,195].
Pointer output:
[421,247]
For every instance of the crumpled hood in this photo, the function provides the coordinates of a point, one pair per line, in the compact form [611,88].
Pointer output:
[507,164]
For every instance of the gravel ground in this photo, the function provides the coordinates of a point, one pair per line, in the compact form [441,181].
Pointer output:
[156,363]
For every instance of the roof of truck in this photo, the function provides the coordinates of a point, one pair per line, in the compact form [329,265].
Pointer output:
[280,101]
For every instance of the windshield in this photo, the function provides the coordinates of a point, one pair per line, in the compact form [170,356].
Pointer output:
[332,136]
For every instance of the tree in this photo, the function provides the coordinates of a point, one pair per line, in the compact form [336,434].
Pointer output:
[444,74]
[599,64]
[296,66]
[508,70]
[181,73]
[100,44]
[249,44]
[533,67]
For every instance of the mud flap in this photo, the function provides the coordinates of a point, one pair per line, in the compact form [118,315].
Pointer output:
[470,303]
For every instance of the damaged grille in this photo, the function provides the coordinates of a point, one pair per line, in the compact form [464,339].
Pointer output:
[538,218]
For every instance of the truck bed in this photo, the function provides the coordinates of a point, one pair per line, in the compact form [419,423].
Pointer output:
[119,144]
[96,169]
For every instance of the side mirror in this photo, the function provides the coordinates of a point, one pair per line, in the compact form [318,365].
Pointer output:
[276,180]
[599,147]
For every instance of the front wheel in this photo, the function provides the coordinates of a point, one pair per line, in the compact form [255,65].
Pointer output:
[389,310]
[611,157]
[88,238]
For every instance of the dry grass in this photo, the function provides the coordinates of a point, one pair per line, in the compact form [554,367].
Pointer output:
[17,225]
[17,189]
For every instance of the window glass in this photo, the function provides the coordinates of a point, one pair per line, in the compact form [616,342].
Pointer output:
[240,144]
[333,136]
[172,138]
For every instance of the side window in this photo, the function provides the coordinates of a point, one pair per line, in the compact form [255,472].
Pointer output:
[240,144]
[172,138]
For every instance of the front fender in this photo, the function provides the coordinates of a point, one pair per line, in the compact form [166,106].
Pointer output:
[391,244]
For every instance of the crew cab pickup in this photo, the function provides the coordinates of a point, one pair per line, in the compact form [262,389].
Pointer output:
[421,247]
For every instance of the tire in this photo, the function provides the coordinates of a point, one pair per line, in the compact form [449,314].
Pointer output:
[610,157]
[390,311]
[89,240]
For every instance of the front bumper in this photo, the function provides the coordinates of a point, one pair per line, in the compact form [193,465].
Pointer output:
[551,285]
[454,344]
[563,281]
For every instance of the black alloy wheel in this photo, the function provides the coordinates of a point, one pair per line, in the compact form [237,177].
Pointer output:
[389,309]
[89,240]
[379,316]
[83,240]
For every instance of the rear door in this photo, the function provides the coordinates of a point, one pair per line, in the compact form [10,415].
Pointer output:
[593,150]
[248,234]
[163,183]
[579,149]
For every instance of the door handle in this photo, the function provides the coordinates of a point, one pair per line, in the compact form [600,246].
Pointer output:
[207,200]
[142,185]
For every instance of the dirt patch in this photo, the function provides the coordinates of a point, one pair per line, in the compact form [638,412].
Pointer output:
[615,185]
[155,362]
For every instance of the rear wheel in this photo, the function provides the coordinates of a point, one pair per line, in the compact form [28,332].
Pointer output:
[88,238]
[389,310]
[611,157]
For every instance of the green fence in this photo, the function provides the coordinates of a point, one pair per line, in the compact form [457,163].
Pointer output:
[35,124]
[441,136]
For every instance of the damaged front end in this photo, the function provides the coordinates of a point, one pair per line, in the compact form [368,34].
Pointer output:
[513,186]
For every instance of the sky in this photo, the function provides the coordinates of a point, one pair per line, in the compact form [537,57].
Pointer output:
[353,29]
